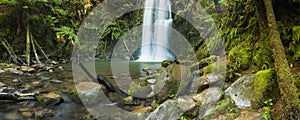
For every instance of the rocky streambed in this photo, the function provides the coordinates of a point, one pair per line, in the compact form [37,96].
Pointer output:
[39,93]
[174,91]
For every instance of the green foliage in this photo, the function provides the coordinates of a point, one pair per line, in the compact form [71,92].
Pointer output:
[295,44]
[239,58]
[266,113]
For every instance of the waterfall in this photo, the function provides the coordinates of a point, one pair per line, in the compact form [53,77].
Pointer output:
[157,23]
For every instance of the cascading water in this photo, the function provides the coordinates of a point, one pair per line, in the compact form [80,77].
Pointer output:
[157,25]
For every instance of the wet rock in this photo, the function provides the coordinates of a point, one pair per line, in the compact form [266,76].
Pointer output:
[50,99]
[37,84]
[128,100]
[172,109]
[56,81]
[151,81]
[91,92]
[208,96]
[42,114]
[139,90]
[146,68]
[54,62]
[186,103]
[27,114]
[240,91]
[7,89]
[27,69]
[208,81]
[51,70]
[246,115]
[2,71]
[15,81]
[60,68]
[2,84]
[13,115]
[88,117]
[15,71]
[167,111]
[142,110]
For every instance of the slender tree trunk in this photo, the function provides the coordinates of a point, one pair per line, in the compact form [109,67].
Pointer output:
[38,45]
[34,50]
[27,45]
[287,88]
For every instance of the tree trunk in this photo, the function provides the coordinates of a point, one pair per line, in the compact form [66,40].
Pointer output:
[34,50]
[27,45]
[287,88]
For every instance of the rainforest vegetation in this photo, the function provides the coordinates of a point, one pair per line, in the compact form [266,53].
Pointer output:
[261,38]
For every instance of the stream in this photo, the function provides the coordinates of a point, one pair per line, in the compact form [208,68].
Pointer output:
[60,81]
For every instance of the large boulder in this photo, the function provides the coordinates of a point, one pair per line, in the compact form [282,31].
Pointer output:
[240,91]
[90,92]
[172,109]
[208,96]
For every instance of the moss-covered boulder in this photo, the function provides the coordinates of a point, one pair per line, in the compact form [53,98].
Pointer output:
[264,87]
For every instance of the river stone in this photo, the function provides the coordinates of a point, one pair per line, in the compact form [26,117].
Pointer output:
[151,81]
[50,99]
[240,91]
[90,92]
[206,81]
[172,109]
[146,68]
[56,81]
[246,115]
[167,111]
[60,67]
[141,109]
[42,114]
[15,80]
[27,114]
[14,71]
[2,71]
[208,96]
[27,69]
[2,84]
[37,84]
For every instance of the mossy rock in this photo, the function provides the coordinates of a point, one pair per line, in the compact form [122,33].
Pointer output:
[74,96]
[215,68]
[166,63]
[169,90]
[50,99]
[264,87]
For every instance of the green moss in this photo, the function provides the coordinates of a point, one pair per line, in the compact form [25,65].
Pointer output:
[264,87]
[42,100]
[214,68]
[74,95]
[224,107]
[239,57]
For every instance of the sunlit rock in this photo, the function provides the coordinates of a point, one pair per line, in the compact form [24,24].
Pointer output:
[240,91]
